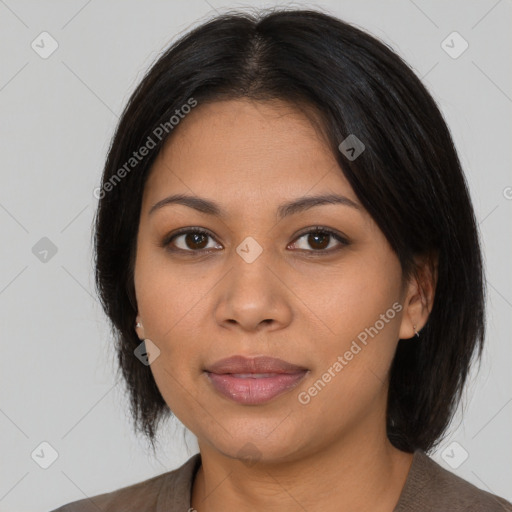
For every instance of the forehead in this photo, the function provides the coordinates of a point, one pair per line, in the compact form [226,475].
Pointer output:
[246,150]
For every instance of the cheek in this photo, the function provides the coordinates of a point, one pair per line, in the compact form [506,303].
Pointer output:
[351,297]
[172,307]
[359,332]
[168,300]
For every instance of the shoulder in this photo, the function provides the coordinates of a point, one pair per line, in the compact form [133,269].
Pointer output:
[431,488]
[166,492]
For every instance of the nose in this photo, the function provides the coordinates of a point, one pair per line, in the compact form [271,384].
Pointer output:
[252,296]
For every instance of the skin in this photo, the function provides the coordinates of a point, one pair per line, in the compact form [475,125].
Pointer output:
[331,454]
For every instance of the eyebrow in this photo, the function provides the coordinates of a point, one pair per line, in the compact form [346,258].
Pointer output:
[292,207]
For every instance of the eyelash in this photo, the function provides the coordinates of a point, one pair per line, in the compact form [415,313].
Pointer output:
[315,230]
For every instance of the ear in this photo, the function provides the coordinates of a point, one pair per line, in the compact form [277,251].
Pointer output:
[419,296]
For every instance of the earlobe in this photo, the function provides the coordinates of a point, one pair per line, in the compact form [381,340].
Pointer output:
[139,328]
[415,316]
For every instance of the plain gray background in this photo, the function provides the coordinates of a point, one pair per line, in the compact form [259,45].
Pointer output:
[58,380]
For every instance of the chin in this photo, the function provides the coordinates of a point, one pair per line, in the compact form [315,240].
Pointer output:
[261,443]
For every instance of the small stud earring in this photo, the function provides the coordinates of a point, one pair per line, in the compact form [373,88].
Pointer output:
[138,324]
[415,331]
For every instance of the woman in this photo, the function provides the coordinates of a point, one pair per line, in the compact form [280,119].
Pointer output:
[287,250]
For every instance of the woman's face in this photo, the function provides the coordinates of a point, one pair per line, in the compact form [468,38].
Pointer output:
[260,284]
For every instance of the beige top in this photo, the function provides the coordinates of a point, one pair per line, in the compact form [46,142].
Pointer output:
[428,488]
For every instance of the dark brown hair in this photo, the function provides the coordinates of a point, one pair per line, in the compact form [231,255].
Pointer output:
[408,178]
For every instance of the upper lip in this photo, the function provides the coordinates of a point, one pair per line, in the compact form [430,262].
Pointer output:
[259,364]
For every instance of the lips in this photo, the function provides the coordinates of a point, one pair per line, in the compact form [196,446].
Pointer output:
[253,365]
[253,381]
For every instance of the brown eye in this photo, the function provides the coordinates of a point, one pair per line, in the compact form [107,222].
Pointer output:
[318,240]
[321,240]
[196,240]
[190,240]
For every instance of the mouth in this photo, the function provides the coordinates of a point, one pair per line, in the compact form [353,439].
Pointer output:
[253,381]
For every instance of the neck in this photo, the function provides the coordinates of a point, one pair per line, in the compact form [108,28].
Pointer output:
[344,477]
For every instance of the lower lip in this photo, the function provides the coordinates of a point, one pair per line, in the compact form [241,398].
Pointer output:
[253,391]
